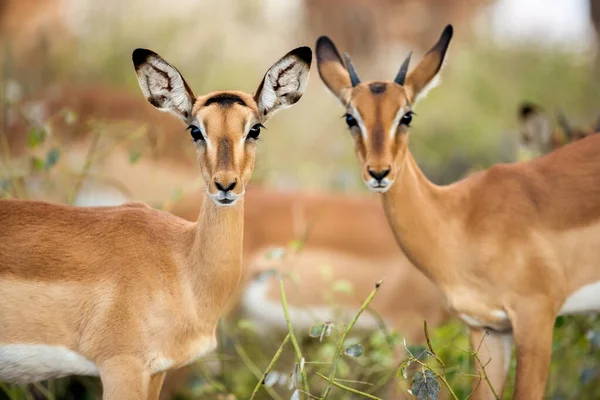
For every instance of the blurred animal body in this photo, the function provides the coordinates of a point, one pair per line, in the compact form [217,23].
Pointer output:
[536,132]
[130,292]
[511,247]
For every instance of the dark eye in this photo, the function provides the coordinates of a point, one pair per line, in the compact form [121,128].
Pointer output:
[196,133]
[406,118]
[254,132]
[350,120]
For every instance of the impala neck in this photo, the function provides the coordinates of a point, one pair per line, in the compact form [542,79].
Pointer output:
[420,214]
[216,256]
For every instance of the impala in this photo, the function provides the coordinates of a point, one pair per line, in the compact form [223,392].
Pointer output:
[127,293]
[510,247]
[536,132]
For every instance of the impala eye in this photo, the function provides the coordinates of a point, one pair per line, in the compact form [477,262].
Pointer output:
[196,133]
[350,120]
[406,118]
[254,132]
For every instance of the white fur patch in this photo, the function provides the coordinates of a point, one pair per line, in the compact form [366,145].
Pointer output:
[584,300]
[25,363]
[427,88]
[394,128]
[268,317]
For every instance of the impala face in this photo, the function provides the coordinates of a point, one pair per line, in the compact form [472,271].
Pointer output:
[379,113]
[226,125]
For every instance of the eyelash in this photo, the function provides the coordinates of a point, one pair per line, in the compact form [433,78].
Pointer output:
[196,133]
[254,132]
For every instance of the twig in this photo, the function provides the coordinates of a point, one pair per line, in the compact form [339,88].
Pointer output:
[339,349]
[261,379]
[299,356]
[348,389]
[431,347]
[85,169]
[485,376]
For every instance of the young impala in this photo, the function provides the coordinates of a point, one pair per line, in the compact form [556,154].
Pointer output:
[130,292]
[537,134]
[510,247]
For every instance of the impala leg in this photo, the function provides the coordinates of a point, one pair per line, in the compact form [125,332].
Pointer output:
[156,382]
[532,330]
[494,351]
[124,378]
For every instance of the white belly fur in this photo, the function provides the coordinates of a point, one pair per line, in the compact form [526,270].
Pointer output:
[26,363]
[584,300]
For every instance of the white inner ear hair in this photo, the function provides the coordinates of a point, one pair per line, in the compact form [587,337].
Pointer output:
[284,84]
[437,79]
[164,87]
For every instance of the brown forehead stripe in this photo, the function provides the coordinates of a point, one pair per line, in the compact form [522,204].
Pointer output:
[225,100]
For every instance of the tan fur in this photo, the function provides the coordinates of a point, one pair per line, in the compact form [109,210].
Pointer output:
[507,246]
[132,290]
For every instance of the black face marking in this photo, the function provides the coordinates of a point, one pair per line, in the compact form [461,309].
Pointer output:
[224,153]
[225,100]
[377,87]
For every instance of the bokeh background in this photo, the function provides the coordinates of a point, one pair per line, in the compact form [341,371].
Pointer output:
[75,127]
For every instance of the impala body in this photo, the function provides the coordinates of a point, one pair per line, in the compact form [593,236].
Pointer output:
[510,247]
[129,292]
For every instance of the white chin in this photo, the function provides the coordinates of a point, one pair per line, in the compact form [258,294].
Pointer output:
[378,187]
[224,201]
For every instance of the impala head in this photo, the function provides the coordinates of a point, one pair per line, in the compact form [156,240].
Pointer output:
[379,113]
[537,134]
[224,125]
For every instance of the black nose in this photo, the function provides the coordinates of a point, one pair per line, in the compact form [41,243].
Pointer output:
[379,175]
[225,188]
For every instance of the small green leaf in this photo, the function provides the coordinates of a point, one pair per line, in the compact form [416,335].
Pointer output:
[35,137]
[343,286]
[245,325]
[70,116]
[296,245]
[52,158]
[356,350]
[316,330]
[37,164]
[134,156]
[425,386]
[177,194]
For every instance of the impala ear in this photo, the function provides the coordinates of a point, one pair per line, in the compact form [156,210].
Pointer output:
[425,76]
[564,124]
[331,68]
[284,83]
[162,84]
